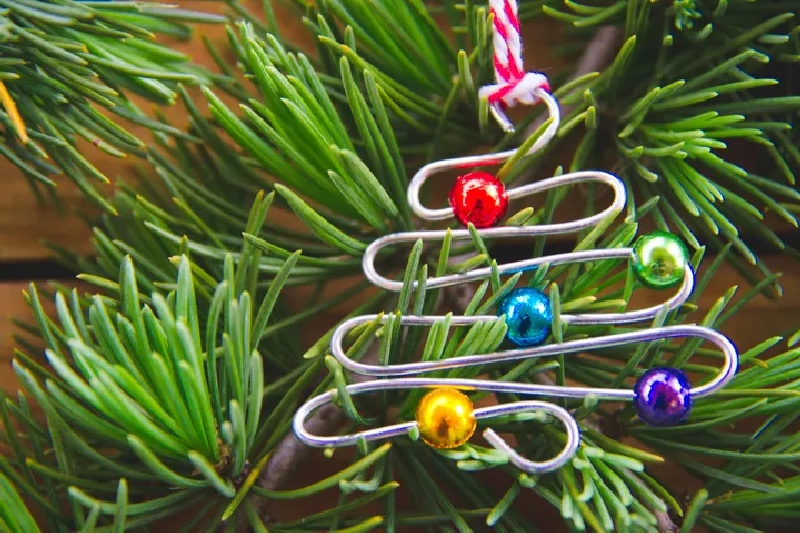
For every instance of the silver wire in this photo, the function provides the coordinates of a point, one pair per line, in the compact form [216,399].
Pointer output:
[530,189]
[616,207]
[592,343]
[725,374]
[481,413]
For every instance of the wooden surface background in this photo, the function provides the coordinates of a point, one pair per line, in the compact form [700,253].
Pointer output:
[24,225]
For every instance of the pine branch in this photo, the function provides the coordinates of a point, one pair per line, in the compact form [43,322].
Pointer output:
[581,290]
[290,453]
[688,110]
[14,515]
[287,456]
[63,61]
[340,133]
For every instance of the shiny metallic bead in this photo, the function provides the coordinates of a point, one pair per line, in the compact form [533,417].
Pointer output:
[445,418]
[479,198]
[660,259]
[663,397]
[529,316]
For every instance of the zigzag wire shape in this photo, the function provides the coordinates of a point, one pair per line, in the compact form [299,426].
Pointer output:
[396,372]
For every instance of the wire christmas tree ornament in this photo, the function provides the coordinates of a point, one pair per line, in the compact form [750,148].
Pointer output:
[661,396]
[445,417]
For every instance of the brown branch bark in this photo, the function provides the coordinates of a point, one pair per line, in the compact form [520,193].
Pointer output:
[290,453]
[596,57]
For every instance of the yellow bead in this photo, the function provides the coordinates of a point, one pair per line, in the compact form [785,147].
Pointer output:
[445,418]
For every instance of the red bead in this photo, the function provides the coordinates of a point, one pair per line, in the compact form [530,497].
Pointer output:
[480,198]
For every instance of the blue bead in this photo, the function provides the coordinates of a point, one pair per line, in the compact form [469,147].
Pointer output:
[529,316]
[662,397]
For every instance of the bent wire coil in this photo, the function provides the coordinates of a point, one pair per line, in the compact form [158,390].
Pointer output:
[667,390]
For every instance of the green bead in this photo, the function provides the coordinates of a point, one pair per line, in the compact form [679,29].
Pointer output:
[660,259]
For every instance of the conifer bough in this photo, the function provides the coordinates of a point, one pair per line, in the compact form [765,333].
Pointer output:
[692,83]
[63,62]
[186,273]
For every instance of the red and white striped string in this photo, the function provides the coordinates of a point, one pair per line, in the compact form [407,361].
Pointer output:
[513,85]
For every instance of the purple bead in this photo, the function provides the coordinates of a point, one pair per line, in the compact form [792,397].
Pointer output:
[662,397]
